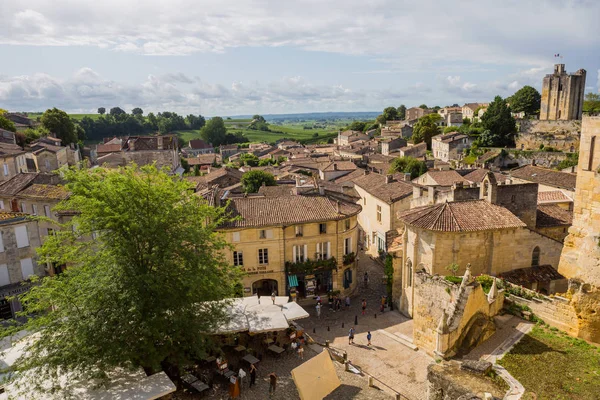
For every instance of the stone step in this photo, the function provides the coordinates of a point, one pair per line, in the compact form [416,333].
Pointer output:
[400,338]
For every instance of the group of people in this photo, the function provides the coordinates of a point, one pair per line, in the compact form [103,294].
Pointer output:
[334,301]
[351,333]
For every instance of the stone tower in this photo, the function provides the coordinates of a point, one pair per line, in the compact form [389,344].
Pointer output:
[562,94]
[580,258]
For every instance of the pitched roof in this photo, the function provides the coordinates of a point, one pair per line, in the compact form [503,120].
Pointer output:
[446,178]
[550,215]
[461,216]
[477,175]
[338,166]
[20,181]
[214,175]
[197,144]
[375,185]
[525,276]
[284,210]
[553,196]
[544,176]
[10,216]
[37,191]
[202,159]
[351,133]
[276,191]
[10,149]
[349,177]
[108,148]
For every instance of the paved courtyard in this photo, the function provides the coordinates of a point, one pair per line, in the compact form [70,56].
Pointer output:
[389,359]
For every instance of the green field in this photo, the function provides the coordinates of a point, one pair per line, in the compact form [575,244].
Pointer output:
[552,366]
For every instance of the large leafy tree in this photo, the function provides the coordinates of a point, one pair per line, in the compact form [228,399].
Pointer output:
[409,165]
[527,100]
[591,103]
[402,111]
[253,180]
[426,128]
[58,122]
[101,110]
[140,290]
[390,113]
[7,124]
[214,131]
[137,111]
[501,124]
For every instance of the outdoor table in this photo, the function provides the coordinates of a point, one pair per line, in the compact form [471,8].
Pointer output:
[275,349]
[268,341]
[229,374]
[250,359]
[240,348]
[189,379]
[199,386]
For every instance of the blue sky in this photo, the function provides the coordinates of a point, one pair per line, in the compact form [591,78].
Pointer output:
[261,56]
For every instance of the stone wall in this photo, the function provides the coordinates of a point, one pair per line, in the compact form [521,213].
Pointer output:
[516,158]
[556,311]
[561,135]
[452,381]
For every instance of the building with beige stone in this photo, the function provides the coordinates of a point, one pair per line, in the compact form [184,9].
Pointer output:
[562,94]
[450,146]
[304,242]
[13,160]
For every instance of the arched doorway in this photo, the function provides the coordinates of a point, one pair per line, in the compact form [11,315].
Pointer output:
[265,287]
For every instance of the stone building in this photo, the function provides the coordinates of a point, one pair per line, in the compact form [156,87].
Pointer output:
[450,146]
[141,150]
[345,138]
[580,259]
[414,113]
[49,155]
[19,237]
[562,94]
[381,198]
[303,241]
[469,109]
[548,180]
[13,161]
[389,144]
[197,147]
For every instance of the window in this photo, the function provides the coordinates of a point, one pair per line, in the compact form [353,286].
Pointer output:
[513,198]
[265,234]
[323,228]
[47,211]
[299,253]
[1,243]
[299,230]
[47,164]
[2,204]
[535,257]
[238,258]
[591,158]
[5,169]
[364,201]
[263,256]
[347,224]
[4,278]
[23,207]
[347,246]
[323,251]
[27,267]
[236,236]
[34,209]
[22,237]
[378,213]
[409,273]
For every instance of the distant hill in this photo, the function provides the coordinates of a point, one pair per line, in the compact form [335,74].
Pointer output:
[325,116]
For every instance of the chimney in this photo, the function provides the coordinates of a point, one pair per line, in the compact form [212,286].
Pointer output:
[366,172]
[389,179]
[407,177]
[321,190]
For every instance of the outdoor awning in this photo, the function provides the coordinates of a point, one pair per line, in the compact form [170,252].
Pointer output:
[293,311]
[316,378]
[293,280]
[267,322]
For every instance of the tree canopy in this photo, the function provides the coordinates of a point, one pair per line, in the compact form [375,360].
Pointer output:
[407,165]
[426,128]
[500,124]
[137,111]
[527,100]
[402,112]
[214,131]
[7,124]
[249,159]
[133,293]
[390,113]
[591,103]
[253,180]
[59,123]
[357,126]
[101,110]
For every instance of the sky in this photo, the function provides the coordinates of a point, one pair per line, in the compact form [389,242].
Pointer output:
[227,57]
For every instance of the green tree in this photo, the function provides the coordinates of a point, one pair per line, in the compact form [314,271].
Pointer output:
[357,126]
[141,292]
[116,111]
[591,103]
[137,111]
[390,113]
[195,122]
[423,106]
[58,122]
[7,124]
[527,100]
[408,165]
[253,180]
[426,128]
[380,119]
[101,110]
[501,124]
[402,112]
[249,159]
[214,131]
[258,118]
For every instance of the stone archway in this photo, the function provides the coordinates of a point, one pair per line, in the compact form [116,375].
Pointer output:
[265,287]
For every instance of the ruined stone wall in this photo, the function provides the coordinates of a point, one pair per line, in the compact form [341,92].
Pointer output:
[556,311]
[451,381]
[517,158]
[561,135]
[163,158]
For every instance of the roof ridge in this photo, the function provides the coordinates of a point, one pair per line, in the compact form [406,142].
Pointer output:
[454,217]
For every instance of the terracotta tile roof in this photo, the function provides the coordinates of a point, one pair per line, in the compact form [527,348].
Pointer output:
[285,210]
[338,166]
[488,155]
[202,159]
[553,196]
[214,175]
[477,175]
[276,191]
[6,216]
[375,185]
[446,178]
[357,173]
[461,216]
[10,149]
[549,215]
[526,276]
[544,176]
[351,133]
[40,146]
[197,144]
[108,148]
[53,192]
[19,182]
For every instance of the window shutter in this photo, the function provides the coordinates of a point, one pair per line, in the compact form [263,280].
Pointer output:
[236,236]
[350,244]
[328,250]
[319,250]
[4,278]
[1,243]
[305,252]
[294,253]
[22,237]
[270,234]
[27,267]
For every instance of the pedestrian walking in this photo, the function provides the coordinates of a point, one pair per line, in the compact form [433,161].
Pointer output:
[272,383]
[330,301]
[351,335]
[369,338]
[366,279]
[242,376]
[301,352]
[252,375]
[347,302]
[364,306]
[318,299]
[382,307]
[338,303]
[318,307]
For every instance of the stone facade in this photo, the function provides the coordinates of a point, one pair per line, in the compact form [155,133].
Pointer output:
[560,135]
[452,381]
[450,146]
[12,164]
[580,260]
[562,94]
